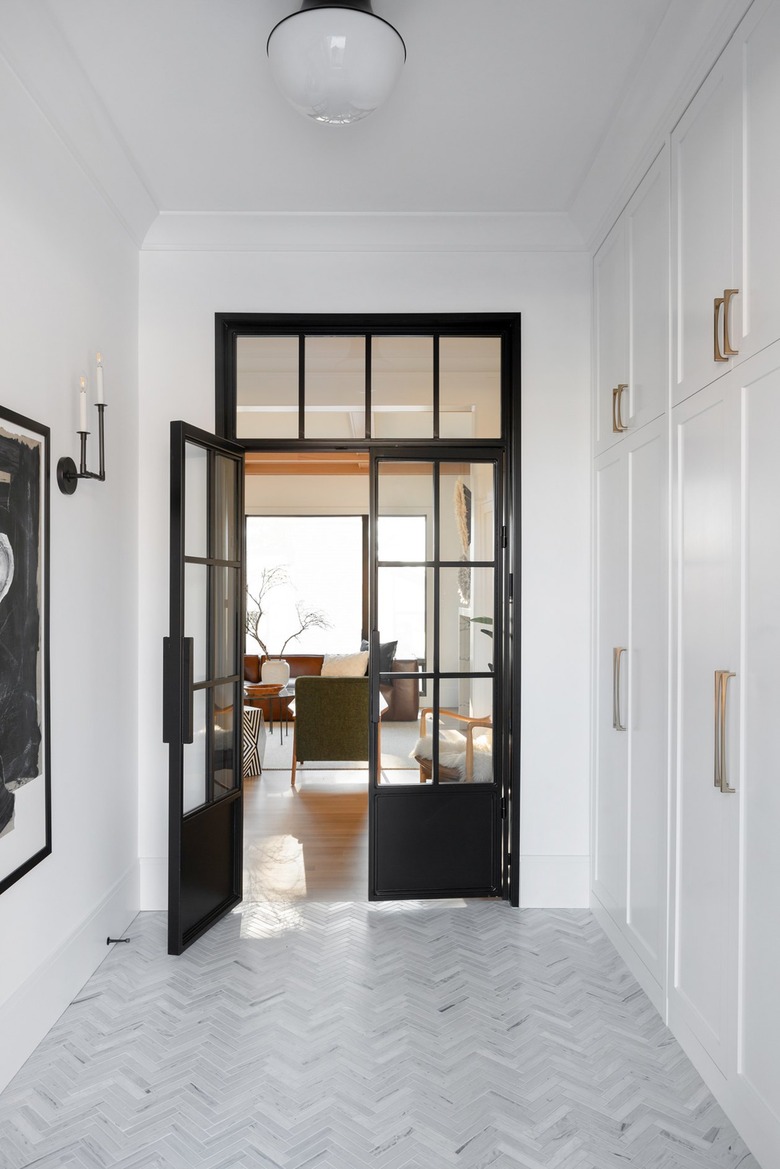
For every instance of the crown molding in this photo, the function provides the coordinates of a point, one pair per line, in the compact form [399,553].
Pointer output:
[42,61]
[364,232]
[688,42]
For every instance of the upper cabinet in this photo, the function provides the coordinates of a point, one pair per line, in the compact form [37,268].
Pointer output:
[610,301]
[631,306]
[647,228]
[757,54]
[725,193]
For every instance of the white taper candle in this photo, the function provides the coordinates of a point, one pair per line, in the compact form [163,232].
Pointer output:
[99,379]
[83,403]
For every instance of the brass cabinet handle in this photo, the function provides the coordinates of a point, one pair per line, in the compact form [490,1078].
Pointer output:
[716,720]
[718,303]
[617,408]
[724,782]
[617,654]
[721,694]
[727,295]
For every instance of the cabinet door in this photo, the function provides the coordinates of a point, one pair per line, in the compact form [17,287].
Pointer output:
[757,62]
[647,226]
[610,798]
[759,1019]
[702,998]
[647,676]
[610,301]
[706,195]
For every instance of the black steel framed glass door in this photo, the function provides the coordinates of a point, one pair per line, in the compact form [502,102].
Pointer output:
[203,682]
[437,818]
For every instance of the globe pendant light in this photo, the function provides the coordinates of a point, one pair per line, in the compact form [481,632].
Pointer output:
[335,62]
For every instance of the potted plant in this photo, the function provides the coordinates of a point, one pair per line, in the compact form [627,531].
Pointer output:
[275,669]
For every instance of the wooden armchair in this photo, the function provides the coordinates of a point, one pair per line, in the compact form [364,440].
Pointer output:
[446,772]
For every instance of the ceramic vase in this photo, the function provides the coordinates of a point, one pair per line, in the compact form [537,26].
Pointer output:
[275,671]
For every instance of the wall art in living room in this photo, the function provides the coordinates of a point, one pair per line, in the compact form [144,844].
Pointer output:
[25,781]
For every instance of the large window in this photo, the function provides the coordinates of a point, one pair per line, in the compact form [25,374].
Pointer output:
[305,573]
[306,576]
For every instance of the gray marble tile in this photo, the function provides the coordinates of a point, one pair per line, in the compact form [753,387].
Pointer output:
[303,1035]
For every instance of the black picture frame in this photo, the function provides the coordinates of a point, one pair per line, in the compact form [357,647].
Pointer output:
[25,740]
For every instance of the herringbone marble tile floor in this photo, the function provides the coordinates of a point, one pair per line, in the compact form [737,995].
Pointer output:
[342,1036]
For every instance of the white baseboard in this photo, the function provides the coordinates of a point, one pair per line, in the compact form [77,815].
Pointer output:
[153,882]
[652,989]
[554,882]
[35,1007]
[753,1119]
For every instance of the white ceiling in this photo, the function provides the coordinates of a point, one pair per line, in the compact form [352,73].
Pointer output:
[503,105]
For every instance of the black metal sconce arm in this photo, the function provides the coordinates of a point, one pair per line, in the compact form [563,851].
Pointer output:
[68,475]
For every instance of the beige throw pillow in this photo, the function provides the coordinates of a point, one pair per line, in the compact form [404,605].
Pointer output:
[344,665]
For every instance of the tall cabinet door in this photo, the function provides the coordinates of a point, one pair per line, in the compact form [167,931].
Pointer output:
[707,800]
[610,298]
[630,789]
[706,206]
[610,794]
[758,1066]
[647,228]
[647,676]
[756,55]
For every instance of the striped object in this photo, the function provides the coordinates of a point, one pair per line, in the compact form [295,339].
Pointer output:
[252,741]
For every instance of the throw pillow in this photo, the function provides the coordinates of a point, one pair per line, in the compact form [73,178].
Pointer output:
[386,655]
[344,665]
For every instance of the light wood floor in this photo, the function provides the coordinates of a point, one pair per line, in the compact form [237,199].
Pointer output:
[309,842]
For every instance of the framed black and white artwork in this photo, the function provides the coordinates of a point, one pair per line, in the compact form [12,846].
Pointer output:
[25,779]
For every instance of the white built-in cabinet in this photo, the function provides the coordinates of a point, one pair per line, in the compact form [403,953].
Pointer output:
[686,743]
[723,1000]
[630,791]
[725,191]
[610,790]
[630,787]
[610,306]
[706,587]
[757,774]
[631,313]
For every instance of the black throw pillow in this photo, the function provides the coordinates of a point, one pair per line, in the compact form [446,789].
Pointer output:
[386,655]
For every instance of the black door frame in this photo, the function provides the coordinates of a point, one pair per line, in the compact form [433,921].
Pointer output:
[230,326]
[451,839]
[205,845]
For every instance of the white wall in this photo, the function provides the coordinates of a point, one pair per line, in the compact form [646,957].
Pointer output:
[70,287]
[181,291]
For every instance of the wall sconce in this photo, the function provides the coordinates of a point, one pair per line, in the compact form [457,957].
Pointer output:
[67,474]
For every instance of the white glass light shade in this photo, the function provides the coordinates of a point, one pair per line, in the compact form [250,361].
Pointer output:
[335,64]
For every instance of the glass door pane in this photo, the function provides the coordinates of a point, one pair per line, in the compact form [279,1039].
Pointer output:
[436,582]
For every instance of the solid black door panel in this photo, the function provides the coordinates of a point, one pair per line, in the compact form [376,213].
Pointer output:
[441,846]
